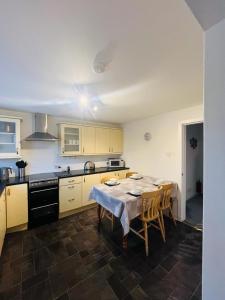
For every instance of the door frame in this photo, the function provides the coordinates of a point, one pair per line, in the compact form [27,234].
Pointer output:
[183,178]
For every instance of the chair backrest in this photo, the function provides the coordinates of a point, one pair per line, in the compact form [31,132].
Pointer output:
[130,174]
[106,178]
[166,195]
[151,204]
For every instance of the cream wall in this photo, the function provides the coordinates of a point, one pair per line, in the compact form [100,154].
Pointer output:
[214,165]
[161,156]
[44,156]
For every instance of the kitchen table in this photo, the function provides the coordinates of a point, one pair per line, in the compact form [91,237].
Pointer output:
[117,200]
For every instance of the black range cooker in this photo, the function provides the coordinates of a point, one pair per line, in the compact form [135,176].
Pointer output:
[43,199]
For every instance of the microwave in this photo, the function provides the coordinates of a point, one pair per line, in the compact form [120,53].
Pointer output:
[115,163]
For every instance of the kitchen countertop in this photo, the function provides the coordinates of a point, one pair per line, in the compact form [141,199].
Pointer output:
[72,173]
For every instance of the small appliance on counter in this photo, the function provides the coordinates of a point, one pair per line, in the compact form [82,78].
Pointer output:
[115,163]
[21,165]
[89,165]
[5,173]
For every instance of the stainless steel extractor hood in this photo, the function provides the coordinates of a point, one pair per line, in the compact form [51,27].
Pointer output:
[41,130]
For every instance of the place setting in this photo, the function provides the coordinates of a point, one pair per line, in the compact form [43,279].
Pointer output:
[112,182]
[136,176]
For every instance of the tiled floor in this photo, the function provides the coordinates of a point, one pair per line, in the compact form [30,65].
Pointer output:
[71,260]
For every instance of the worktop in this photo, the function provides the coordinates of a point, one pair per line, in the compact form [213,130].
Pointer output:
[72,173]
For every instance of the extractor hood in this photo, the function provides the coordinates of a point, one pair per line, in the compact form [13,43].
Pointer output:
[41,130]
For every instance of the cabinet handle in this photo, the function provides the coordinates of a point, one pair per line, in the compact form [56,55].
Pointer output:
[70,181]
[8,192]
[112,149]
[71,199]
[84,179]
[63,150]
[83,149]
[17,151]
[109,149]
[71,187]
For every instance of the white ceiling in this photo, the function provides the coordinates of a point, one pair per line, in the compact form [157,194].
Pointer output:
[208,12]
[153,50]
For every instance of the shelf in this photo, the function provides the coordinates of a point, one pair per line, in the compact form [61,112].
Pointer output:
[75,134]
[10,133]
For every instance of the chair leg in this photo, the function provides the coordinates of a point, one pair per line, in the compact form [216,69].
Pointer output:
[102,213]
[161,229]
[162,222]
[112,216]
[146,237]
[171,212]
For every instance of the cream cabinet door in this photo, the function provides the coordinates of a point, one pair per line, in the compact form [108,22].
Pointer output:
[88,140]
[109,175]
[2,219]
[70,138]
[9,138]
[70,197]
[102,140]
[16,205]
[88,182]
[116,140]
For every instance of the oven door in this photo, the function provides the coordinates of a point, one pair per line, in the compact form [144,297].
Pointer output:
[43,215]
[43,197]
[43,206]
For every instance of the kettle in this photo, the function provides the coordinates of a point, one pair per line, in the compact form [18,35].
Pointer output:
[4,173]
[89,165]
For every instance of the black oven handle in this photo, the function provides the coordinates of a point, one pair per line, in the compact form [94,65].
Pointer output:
[43,190]
[44,206]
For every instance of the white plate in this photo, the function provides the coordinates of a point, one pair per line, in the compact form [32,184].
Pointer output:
[136,176]
[109,182]
[136,193]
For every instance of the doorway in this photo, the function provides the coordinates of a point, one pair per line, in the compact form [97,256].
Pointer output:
[194,174]
[191,183]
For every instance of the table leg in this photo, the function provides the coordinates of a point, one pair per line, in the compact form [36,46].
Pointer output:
[99,210]
[125,243]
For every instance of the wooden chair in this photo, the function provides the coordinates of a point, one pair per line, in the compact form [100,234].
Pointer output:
[166,203]
[130,174]
[104,212]
[149,213]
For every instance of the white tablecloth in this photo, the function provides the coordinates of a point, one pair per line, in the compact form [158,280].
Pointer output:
[117,200]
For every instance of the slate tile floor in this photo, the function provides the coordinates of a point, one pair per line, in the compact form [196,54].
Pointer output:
[70,260]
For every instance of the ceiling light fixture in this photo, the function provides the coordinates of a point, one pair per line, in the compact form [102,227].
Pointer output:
[83,100]
[95,108]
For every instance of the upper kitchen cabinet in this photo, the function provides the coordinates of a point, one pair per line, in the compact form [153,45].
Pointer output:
[88,140]
[102,140]
[9,138]
[70,138]
[116,140]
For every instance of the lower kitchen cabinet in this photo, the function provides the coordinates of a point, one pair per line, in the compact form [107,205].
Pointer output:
[70,195]
[16,205]
[88,182]
[2,219]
